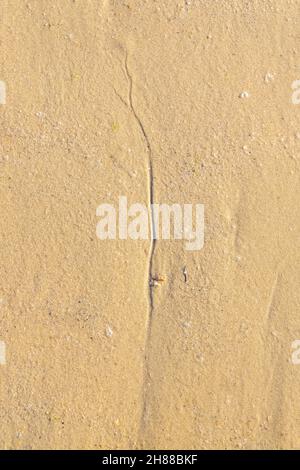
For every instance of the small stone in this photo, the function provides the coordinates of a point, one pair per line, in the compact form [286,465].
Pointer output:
[244,94]
[269,77]
[109,332]
[157,280]
[246,150]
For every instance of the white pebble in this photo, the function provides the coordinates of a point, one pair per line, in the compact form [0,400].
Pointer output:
[269,77]
[109,332]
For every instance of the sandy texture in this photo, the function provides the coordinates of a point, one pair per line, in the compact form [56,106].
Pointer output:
[97,90]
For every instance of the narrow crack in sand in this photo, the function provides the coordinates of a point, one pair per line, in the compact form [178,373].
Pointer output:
[270,305]
[274,287]
[151,249]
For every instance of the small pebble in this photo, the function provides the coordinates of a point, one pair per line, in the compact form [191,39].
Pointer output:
[246,150]
[109,332]
[269,77]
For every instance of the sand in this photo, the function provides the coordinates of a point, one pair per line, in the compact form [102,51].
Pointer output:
[191,100]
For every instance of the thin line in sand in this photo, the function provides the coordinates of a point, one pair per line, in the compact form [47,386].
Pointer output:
[151,249]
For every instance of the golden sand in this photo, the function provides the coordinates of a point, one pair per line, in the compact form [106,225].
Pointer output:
[96,92]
